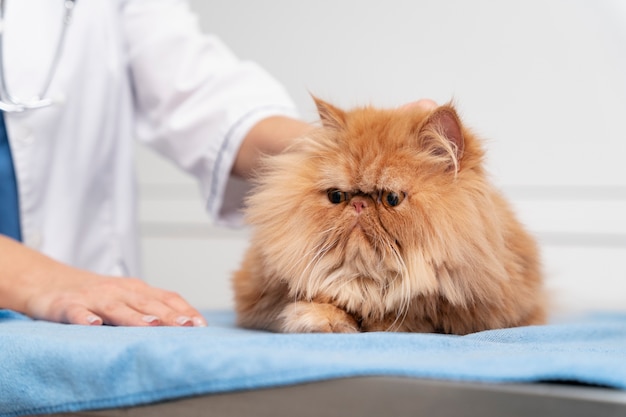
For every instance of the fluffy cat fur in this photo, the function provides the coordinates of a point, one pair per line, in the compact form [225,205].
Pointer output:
[384,220]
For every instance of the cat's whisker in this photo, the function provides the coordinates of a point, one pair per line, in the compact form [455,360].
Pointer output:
[320,250]
[401,272]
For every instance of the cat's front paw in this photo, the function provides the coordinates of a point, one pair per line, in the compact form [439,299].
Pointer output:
[311,317]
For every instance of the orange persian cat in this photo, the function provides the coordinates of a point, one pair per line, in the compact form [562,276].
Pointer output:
[384,220]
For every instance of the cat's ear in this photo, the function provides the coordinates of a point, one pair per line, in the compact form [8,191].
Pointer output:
[331,116]
[442,135]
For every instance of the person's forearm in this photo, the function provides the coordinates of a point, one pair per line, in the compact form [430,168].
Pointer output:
[270,136]
[24,271]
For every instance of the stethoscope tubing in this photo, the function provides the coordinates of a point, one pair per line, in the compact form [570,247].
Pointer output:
[10,104]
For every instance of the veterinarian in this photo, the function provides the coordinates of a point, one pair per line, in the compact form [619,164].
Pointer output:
[80,80]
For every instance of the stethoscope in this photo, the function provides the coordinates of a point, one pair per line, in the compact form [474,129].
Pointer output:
[10,104]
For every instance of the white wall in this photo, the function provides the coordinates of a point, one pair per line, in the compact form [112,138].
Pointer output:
[542,80]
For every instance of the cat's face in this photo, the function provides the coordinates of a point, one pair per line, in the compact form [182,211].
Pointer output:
[371,196]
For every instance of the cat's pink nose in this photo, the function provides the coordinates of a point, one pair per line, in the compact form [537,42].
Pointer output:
[359,203]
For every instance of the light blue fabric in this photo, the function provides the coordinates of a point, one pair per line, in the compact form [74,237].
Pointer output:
[46,367]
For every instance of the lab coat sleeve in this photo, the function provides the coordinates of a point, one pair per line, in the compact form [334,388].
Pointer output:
[196,101]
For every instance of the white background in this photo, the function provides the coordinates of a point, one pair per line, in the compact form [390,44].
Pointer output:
[544,82]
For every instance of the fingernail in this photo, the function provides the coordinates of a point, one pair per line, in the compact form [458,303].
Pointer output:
[150,319]
[94,320]
[184,321]
[199,322]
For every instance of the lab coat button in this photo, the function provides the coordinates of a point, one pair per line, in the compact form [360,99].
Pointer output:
[34,240]
[24,135]
[28,138]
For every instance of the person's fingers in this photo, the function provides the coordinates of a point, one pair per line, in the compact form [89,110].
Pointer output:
[79,314]
[169,306]
[155,304]
[426,104]
[183,312]
[107,301]
[94,320]
[117,314]
[120,314]
[422,104]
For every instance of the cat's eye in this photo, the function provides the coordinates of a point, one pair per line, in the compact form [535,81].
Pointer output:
[391,198]
[336,196]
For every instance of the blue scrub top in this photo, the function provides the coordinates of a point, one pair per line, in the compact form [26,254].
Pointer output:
[9,204]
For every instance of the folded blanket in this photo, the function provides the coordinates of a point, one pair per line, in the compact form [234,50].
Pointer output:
[47,367]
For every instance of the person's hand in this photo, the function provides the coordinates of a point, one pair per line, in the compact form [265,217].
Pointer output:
[93,300]
[422,104]
[42,288]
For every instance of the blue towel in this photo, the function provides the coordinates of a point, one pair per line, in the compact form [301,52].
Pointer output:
[48,367]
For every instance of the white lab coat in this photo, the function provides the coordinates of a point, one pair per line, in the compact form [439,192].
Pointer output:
[130,69]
